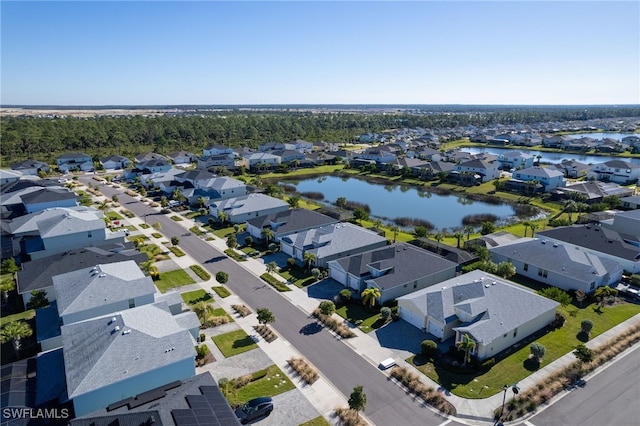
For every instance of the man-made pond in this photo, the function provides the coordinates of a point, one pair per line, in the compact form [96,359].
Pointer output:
[392,201]
[551,157]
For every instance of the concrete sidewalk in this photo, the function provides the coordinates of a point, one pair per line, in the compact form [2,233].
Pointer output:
[323,395]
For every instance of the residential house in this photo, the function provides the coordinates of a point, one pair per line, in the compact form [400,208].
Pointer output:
[302,145]
[619,171]
[260,160]
[288,156]
[200,183]
[47,198]
[197,399]
[148,157]
[330,242]
[182,157]
[554,141]
[31,167]
[112,162]
[36,275]
[558,265]
[118,356]
[9,176]
[583,144]
[217,150]
[227,161]
[320,158]
[627,223]
[241,209]
[428,154]
[547,177]
[600,241]
[592,191]
[405,163]
[32,196]
[273,146]
[74,162]
[572,168]
[494,239]
[515,160]
[433,169]
[395,270]
[631,202]
[379,155]
[55,230]
[484,170]
[496,314]
[287,222]
[152,166]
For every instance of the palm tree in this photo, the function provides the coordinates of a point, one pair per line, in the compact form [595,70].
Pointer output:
[309,259]
[395,229]
[103,206]
[203,310]
[222,216]
[570,207]
[467,345]
[294,201]
[6,285]
[201,202]
[267,234]
[458,236]
[377,223]
[526,225]
[468,230]
[533,227]
[271,267]
[14,331]
[369,296]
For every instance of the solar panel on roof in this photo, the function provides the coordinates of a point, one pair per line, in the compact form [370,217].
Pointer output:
[184,417]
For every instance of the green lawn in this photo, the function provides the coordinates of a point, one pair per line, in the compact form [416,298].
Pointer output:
[193,297]
[26,315]
[234,343]
[513,368]
[173,279]
[113,215]
[273,383]
[177,251]
[221,291]
[318,421]
[356,314]
[154,252]
[176,218]
[223,232]
[220,312]
[156,235]
[298,276]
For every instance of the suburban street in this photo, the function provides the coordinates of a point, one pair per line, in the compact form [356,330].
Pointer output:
[386,402]
[609,398]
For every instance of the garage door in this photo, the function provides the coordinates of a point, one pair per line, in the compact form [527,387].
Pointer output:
[435,329]
[412,318]
[338,275]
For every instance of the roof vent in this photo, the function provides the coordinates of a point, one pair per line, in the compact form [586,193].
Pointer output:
[487,286]
[555,244]
[493,283]
[102,275]
[117,328]
[125,332]
[544,241]
[113,319]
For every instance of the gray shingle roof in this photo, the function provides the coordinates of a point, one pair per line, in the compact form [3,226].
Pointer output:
[99,285]
[559,258]
[97,354]
[31,222]
[292,220]
[46,195]
[500,306]
[403,263]
[36,274]
[595,238]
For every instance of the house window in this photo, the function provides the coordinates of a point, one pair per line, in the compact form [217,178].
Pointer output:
[415,286]
[405,286]
[542,273]
[89,234]
[132,303]
[515,332]
[526,267]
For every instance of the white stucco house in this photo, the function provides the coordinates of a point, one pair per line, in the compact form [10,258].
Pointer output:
[494,313]
[618,171]
[241,209]
[30,167]
[515,160]
[74,161]
[486,170]
[558,265]
[287,222]
[547,177]
[112,162]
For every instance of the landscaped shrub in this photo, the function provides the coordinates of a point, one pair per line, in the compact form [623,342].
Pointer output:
[221,291]
[274,282]
[200,272]
[429,348]
[341,329]
[266,333]
[242,310]
[478,219]
[558,322]
[349,417]
[177,251]
[234,255]
[222,277]
[345,295]
[430,396]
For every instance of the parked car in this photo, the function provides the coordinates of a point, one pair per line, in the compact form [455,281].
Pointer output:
[256,408]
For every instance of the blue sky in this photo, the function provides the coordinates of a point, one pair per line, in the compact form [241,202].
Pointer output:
[417,52]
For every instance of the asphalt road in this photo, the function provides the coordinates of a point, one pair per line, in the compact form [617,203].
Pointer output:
[609,398]
[387,404]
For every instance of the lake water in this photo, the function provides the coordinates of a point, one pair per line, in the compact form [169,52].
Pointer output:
[388,202]
[550,157]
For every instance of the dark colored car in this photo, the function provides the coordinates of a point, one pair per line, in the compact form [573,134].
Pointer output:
[256,408]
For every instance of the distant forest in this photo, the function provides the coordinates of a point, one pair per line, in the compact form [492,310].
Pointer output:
[45,138]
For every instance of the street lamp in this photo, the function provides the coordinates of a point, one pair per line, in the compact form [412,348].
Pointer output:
[514,387]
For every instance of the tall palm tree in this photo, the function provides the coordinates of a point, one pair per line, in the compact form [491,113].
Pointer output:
[13,332]
[395,229]
[6,285]
[309,259]
[533,227]
[222,216]
[267,234]
[570,207]
[370,295]
[203,311]
[468,230]
[467,345]
[458,236]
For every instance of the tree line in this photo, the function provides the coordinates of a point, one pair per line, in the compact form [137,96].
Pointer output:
[44,138]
